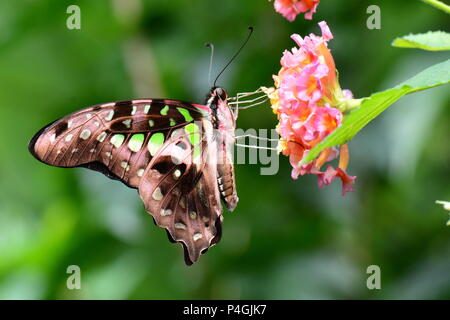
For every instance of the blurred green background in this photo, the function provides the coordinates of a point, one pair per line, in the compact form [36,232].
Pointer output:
[286,239]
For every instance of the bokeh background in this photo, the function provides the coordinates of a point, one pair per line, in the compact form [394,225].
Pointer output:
[286,239]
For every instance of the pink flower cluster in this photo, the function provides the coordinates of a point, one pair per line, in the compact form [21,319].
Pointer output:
[305,100]
[291,8]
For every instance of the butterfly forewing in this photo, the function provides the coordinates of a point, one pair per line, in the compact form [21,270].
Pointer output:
[123,136]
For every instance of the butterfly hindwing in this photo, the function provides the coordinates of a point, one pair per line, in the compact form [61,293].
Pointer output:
[179,189]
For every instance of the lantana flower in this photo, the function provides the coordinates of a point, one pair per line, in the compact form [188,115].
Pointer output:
[310,104]
[291,8]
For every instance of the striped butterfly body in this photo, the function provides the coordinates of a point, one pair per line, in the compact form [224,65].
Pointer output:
[176,154]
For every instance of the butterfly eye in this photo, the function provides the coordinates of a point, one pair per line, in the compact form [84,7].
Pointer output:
[221,93]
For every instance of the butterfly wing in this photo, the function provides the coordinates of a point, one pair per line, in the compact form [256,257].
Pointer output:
[118,139]
[179,189]
[145,144]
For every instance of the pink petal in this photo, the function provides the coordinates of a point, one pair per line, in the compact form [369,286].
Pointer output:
[347,94]
[326,33]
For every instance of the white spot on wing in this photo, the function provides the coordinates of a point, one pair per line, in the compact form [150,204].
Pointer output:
[125,165]
[157,194]
[166,212]
[180,226]
[197,236]
[85,134]
[176,174]
[101,137]
[110,116]
[69,137]
[127,123]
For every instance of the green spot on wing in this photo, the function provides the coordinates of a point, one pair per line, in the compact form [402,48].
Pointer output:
[155,142]
[117,140]
[172,122]
[197,151]
[164,110]
[193,132]
[185,113]
[136,142]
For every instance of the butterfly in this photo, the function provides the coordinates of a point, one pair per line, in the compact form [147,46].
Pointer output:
[175,153]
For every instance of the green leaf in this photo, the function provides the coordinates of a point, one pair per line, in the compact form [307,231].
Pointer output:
[433,76]
[439,5]
[431,41]
[374,105]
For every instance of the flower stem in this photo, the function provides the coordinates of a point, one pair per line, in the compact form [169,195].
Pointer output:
[438,4]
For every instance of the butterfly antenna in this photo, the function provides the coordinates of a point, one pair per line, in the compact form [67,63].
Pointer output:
[211,46]
[235,55]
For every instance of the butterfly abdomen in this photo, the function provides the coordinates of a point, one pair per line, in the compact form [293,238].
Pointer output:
[225,168]
[227,185]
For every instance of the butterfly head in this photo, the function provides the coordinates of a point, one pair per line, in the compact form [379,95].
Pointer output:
[215,96]
[217,101]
